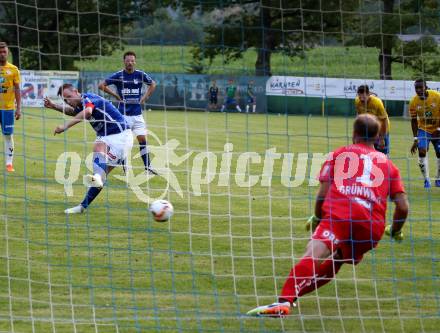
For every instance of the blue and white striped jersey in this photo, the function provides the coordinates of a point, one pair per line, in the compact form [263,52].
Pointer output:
[106,118]
[129,87]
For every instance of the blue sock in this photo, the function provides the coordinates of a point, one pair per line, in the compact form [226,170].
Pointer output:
[91,194]
[100,168]
[145,154]
[100,165]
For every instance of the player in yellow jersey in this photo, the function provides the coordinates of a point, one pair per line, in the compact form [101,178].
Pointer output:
[367,103]
[425,117]
[10,102]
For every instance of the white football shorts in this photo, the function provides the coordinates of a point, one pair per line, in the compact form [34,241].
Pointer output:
[136,124]
[118,147]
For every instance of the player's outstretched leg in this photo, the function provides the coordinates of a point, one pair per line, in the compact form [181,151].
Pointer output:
[99,171]
[277,309]
[94,182]
[91,194]
[309,274]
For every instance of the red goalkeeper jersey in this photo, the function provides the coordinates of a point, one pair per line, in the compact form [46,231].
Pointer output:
[361,179]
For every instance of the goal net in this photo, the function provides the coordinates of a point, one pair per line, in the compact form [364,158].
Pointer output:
[239,166]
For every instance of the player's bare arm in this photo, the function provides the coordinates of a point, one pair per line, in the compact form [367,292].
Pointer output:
[414,127]
[384,126]
[84,114]
[400,212]
[383,130]
[436,133]
[320,197]
[63,108]
[313,221]
[105,88]
[316,248]
[17,101]
[148,93]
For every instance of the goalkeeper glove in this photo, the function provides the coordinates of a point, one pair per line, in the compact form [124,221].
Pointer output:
[312,223]
[397,236]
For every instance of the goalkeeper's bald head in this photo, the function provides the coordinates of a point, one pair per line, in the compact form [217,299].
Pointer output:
[365,129]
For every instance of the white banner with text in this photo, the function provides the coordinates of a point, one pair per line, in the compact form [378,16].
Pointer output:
[397,90]
[37,84]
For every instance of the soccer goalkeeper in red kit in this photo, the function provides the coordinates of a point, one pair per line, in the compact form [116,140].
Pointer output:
[349,220]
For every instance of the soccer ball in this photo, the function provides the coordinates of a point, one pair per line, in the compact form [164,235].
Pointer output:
[161,210]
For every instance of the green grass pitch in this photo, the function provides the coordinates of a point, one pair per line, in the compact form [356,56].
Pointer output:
[226,250]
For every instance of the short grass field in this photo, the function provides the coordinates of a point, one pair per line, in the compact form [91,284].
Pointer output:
[339,62]
[226,250]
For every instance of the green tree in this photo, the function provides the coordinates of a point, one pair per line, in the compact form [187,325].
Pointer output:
[52,34]
[165,27]
[292,26]
[287,26]
[382,24]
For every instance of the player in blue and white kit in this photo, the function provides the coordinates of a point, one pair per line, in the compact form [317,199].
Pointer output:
[114,138]
[129,83]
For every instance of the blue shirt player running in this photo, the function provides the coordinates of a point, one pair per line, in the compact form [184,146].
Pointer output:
[114,139]
[129,82]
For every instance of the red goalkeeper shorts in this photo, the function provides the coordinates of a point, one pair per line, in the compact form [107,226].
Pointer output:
[351,238]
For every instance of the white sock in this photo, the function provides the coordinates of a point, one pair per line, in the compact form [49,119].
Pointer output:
[223,108]
[438,168]
[254,107]
[238,108]
[9,148]
[424,168]
[247,108]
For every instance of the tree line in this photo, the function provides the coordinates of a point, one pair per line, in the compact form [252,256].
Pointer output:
[53,34]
